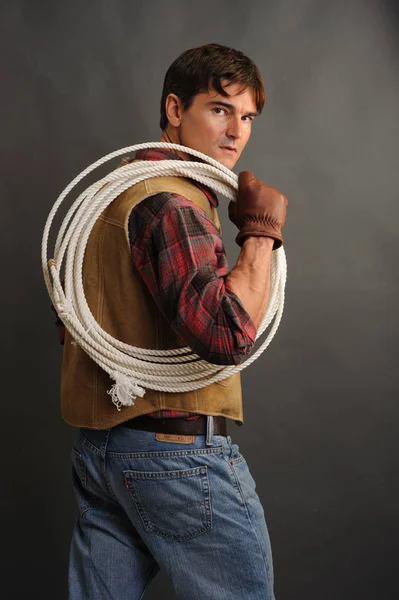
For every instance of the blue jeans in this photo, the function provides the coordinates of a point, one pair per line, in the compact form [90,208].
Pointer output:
[188,509]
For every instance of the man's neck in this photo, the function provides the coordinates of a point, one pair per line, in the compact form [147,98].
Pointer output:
[173,138]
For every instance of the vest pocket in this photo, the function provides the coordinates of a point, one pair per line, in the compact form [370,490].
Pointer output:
[173,504]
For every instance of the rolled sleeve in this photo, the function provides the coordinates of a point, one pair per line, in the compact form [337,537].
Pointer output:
[180,256]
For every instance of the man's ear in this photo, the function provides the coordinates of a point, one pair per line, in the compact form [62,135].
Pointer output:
[173,109]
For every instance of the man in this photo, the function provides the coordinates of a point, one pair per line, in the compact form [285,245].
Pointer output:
[160,484]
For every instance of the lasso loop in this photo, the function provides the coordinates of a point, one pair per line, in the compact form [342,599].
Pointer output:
[178,370]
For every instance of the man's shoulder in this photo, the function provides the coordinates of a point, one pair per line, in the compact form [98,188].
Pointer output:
[162,206]
[162,193]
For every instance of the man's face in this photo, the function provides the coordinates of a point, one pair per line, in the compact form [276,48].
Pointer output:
[219,126]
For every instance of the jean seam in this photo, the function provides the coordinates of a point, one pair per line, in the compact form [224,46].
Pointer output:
[237,486]
[233,478]
[175,474]
[81,466]
[254,530]
[104,467]
[164,454]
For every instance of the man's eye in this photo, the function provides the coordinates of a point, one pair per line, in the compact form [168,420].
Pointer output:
[221,110]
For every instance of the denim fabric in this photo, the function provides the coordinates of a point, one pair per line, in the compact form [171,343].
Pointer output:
[188,509]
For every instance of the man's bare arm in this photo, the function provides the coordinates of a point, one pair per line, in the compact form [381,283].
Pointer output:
[259,213]
[250,278]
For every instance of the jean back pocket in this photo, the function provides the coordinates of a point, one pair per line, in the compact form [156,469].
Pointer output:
[172,504]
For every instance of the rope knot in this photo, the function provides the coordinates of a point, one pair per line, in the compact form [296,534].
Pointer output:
[63,308]
[124,391]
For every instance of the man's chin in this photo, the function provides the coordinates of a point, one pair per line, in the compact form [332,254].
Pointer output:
[229,164]
[226,161]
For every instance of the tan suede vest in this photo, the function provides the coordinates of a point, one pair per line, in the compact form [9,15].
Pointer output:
[122,305]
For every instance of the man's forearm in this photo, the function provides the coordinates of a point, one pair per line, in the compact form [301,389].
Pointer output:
[250,278]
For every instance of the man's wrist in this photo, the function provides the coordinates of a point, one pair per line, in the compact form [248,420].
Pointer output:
[258,242]
[255,253]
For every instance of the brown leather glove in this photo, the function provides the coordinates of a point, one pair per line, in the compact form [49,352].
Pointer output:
[259,211]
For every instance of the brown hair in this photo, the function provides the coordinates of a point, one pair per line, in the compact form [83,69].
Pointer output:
[197,69]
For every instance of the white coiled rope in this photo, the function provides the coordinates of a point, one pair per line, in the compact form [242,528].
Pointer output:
[135,369]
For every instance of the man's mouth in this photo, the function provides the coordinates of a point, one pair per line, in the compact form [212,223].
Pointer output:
[230,149]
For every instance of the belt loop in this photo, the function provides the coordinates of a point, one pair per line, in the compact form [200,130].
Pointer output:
[209,430]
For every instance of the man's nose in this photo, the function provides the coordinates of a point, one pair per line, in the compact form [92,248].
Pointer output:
[234,128]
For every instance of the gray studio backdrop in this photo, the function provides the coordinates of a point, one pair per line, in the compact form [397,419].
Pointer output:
[81,79]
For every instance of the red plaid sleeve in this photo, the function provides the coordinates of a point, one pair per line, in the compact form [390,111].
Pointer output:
[180,256]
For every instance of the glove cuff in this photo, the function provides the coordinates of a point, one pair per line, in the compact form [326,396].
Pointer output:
[246,232]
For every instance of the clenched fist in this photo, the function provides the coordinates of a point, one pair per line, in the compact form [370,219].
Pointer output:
[260,210]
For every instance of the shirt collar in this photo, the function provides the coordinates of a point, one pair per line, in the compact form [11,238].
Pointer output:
[168,154]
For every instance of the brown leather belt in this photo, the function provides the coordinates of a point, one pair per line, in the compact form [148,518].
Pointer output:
[178,425]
